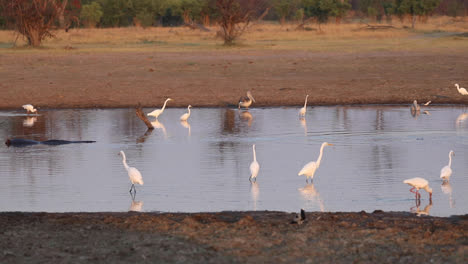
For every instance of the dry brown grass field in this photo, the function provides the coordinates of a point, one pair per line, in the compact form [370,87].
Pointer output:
[342,64]
[345,37]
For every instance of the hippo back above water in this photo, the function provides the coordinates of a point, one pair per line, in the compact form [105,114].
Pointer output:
[20,142]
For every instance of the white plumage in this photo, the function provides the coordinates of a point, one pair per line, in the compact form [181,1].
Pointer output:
[133,173]
[419,183]
[246,101]
[29,108]
[185,116]
[156,113]
[303,110]
[446,171]
[461,90]
[254,166]
[309,169]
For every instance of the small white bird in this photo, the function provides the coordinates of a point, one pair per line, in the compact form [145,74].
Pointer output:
[254,166]
[30,108]
[303,110]
[246,101]
[185,116]
[419,183]
[415,106]
[156,113]
[461,90]
[427,103]
[309,169]
[133,173]
[446,171]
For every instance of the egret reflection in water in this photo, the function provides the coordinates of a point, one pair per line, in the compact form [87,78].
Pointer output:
[461,119]
[186,124]
[447,189]
[304,125]
[254,192]
[136,206]
[159,125]
[311,195]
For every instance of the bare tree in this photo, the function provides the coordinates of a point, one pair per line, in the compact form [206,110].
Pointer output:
[32,18]
[236,15]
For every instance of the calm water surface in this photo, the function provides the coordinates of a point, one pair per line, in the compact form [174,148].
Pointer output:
[204,165]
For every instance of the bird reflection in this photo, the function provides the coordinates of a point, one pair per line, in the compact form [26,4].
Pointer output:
[310,194]
[246,116]
[461,118]
[415,109]
[186,124]
[447,189]
[136,206]
[254,192]
[29,121]
[159,125]
[304,125]
[420,212]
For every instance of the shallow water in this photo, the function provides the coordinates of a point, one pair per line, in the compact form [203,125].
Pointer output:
[204,166]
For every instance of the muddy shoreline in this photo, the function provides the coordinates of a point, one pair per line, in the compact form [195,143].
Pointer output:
[232,237]
[217,79]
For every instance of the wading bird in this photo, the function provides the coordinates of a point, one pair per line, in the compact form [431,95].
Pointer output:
[446,171]
[185,116]
[309,169]
[158,112]
[254,166]
[133,173]
[461,90]
[246,101]
[303,110]
[30,108]
[419,183]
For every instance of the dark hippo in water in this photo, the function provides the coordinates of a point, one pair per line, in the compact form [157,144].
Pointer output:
[19,142]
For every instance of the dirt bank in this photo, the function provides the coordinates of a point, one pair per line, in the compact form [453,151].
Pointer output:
[231,237]
[219,78]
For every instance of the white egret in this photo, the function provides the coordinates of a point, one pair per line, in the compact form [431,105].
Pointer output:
[133,173]
[30,108]
[446,171]
[185,116]
[427,103]
[419,183]
[461,90]
[415,106]
[254,166]
[309,169]
[246,101]
[303,110]
[156,113]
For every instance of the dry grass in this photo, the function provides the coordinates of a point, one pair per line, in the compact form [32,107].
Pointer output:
[346,37]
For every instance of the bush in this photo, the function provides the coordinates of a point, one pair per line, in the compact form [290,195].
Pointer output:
[91,14]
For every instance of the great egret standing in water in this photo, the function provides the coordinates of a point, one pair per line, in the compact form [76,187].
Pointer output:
[446,171]
[246,101]
[309,169]
[303,110]
[156,113]
[461,90]
[133,173]
[254,166]
[30,108]
[419,183]
[185,116]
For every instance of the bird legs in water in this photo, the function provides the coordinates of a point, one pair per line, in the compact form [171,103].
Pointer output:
[418,195]
[250,179]
[133,187]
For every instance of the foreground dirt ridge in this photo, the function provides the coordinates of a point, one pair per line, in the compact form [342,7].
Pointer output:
[231,237]
[217,79]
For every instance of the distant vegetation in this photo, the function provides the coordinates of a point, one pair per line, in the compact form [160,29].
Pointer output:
[232,16]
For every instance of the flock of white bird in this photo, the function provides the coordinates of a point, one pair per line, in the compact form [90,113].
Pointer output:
[308,170]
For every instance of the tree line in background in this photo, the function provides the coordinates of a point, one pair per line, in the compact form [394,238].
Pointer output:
[34,18]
